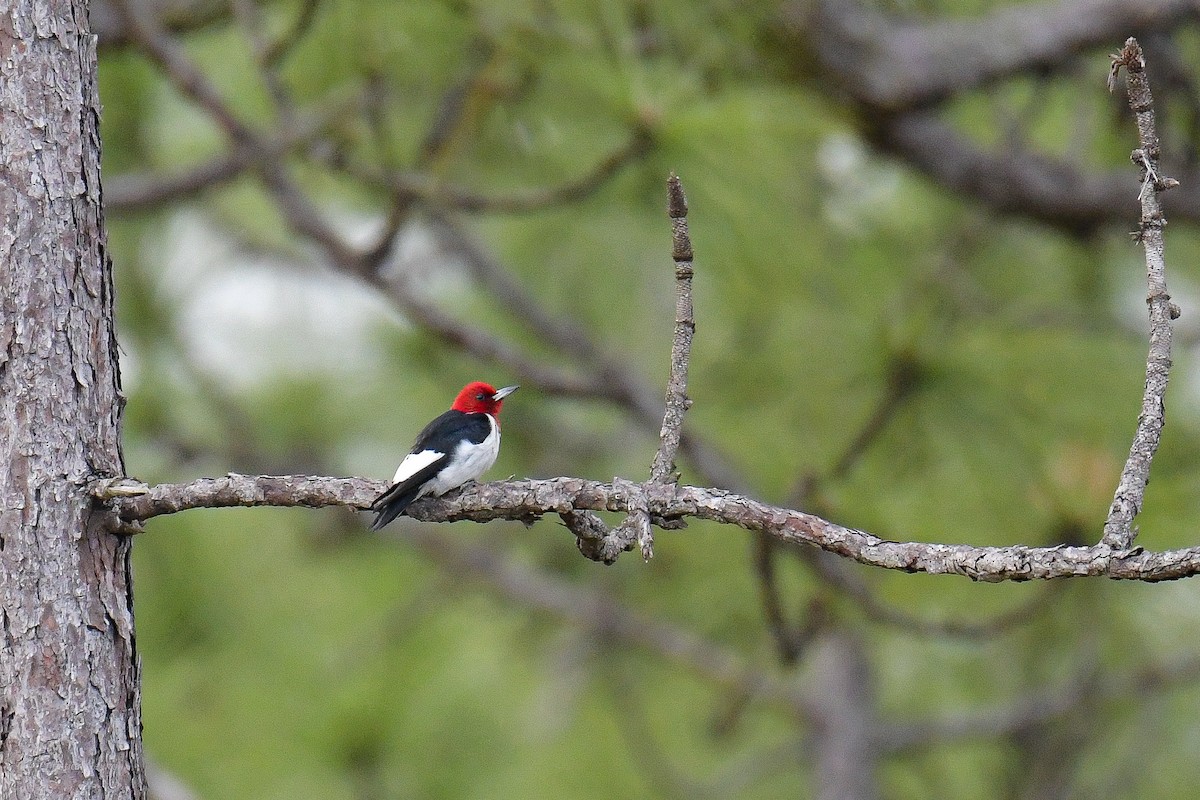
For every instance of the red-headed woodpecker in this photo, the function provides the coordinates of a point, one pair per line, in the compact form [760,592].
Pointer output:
[457,447]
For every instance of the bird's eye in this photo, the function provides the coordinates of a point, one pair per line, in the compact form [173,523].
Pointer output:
[481,396]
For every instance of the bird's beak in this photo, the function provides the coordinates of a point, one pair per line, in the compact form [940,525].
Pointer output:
[505,392]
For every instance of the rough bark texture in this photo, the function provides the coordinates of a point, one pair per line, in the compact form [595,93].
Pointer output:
[527,500]
[70,723]
[1119,532]
[677,402]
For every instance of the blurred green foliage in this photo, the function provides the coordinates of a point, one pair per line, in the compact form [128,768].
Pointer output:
[287,655]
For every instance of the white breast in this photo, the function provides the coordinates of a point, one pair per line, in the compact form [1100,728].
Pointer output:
[470,461]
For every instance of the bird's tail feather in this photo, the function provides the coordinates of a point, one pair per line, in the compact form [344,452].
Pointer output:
[389,506]
[399,496]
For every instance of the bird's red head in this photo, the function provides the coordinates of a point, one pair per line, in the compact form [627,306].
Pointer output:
[478,397]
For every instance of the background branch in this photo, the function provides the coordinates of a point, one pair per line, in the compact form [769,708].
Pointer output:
[901,71]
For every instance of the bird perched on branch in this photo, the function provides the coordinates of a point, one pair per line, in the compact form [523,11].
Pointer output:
[457,447]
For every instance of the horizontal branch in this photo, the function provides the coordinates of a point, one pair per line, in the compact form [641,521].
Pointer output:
[899,71]
[148,191]
[460,198]
[1020,180]
[527,500]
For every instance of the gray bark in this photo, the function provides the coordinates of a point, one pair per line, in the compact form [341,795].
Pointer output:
[70,720]
[527,500]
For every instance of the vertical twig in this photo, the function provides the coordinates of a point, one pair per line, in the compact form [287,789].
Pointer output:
[1119,532]
[637,527]
[662,470]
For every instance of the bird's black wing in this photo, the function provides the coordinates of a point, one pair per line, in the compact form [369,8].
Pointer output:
[450,428]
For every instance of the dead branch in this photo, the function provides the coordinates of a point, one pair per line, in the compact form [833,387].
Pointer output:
[191,82]
[1119,532]
[157,44]
[662,469]
[528,500]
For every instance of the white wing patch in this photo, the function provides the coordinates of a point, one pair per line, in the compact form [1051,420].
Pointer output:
[414,463]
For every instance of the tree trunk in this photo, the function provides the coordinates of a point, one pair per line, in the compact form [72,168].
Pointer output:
[846,755]
[70,705]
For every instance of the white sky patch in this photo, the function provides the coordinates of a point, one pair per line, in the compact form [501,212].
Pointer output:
[861,187]
[250,318]
[431,268]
